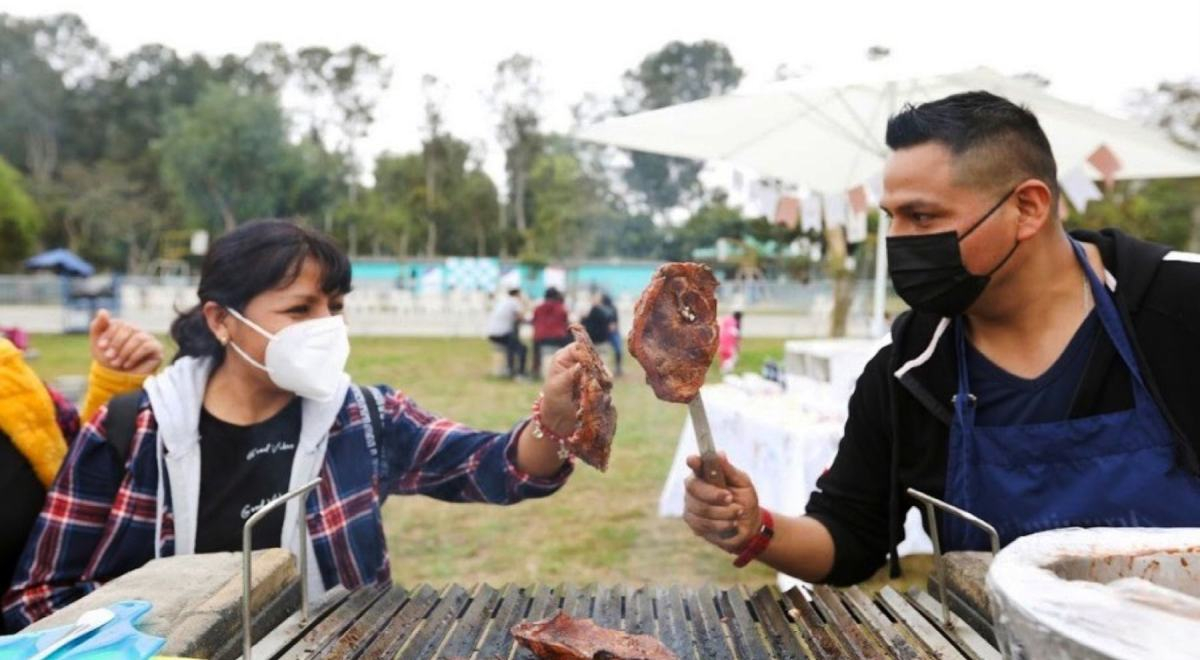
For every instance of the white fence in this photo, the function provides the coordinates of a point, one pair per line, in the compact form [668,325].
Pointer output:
[376,308]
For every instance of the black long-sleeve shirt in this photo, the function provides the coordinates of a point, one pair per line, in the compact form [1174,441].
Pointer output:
[897,432]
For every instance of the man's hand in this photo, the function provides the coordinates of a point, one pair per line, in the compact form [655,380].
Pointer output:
[120,346]
[709,510]
[558,403]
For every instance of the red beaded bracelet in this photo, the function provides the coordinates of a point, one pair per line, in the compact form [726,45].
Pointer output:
[755,546]
[541,430]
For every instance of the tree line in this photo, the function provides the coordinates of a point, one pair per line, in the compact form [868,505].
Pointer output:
[122,158]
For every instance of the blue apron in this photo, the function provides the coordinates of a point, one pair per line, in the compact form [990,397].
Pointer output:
[1111,470]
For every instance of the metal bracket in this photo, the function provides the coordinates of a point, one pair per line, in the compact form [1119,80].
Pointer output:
[247,549]
[930,503]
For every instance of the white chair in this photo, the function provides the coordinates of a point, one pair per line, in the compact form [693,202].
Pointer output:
[432,302]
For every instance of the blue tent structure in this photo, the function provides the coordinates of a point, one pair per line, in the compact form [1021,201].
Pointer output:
[61,261]
[81,297]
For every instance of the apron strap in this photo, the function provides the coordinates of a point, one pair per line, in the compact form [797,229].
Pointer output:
[1110,318]
[964,401]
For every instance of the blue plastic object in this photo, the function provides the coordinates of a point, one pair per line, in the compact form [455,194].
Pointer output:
[61,261]
[118,639]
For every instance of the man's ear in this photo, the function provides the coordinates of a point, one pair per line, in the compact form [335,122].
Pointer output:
[1035,202]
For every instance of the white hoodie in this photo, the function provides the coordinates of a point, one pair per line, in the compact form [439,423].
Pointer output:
[177,396]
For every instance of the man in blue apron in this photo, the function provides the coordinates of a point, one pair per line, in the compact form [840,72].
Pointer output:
[1043,379]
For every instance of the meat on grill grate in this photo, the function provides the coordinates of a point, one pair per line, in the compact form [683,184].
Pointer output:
[566,638]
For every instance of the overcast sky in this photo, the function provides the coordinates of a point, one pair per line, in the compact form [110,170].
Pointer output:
[1094,53]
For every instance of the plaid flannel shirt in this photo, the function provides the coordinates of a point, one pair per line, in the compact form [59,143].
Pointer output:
[65,413]
[98,520]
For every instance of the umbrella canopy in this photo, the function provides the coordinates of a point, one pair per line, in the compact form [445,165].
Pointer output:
[61,261]
[831,138]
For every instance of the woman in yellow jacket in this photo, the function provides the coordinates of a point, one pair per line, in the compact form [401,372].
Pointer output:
[37,422]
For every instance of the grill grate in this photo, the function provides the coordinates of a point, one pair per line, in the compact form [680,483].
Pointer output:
[697,624]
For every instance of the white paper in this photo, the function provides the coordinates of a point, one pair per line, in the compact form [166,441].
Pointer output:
[810,213]
[856,229]
[837,209]
[1080,189]
[766,197]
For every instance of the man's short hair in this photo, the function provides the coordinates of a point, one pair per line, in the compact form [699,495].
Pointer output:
[995,142]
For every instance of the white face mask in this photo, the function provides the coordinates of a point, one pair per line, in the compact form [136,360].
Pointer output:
[307,358]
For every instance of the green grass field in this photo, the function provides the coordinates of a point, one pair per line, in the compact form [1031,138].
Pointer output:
[598,528]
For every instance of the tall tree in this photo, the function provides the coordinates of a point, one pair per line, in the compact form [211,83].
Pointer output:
[38,56]
[1174,106]
[677,73]
[20,219]
[435,155]
[458,219]
[399,199]
[571,206]
[714,219]
[347,84]
[478,204]
[105,215]
[227,158]
[516,98]
[1164,210]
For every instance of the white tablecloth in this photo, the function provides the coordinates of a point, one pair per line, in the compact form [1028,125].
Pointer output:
[783,440]
[838,362]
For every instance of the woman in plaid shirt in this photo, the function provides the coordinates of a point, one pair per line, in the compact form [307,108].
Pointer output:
[256,403]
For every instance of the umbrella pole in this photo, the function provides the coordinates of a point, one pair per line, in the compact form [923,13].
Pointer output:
[880,299]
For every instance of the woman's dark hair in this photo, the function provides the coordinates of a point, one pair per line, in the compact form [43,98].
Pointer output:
[552,294]
[256,257]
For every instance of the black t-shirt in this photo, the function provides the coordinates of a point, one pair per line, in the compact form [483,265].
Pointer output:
[597,323]
[242,468]
[1005,399]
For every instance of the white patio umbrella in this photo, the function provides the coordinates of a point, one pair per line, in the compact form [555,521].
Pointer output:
[831,138]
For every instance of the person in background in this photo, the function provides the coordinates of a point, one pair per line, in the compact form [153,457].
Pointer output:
[549,326]
[601,325]
[730,342]
[38,424]
[17,337]
[614,332]
[503,329]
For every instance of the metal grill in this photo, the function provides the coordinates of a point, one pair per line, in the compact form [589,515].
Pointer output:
[701,624]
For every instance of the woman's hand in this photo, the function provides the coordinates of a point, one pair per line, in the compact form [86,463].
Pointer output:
[541,457]
[120,346]
[558,394]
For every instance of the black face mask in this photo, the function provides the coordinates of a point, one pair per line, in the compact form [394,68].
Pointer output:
[928,273]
